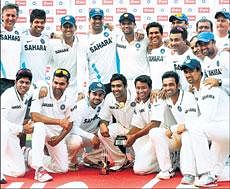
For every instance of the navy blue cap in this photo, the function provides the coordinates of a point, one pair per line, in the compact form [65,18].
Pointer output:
[222,13]
[96,12]
[205,37]
[68,19]
[191,64]
[178,16]
[127,16]
[96,86]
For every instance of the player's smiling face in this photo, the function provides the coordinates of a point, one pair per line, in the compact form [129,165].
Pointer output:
[222,24]
[118,89]
[176,41]
[96,23]
[22,85]
[155,36]
[127,27]
[37,26]
[59,85]
[170,86]
[143,91]
[95,98]
[192,76]
[68,30]
[9,18]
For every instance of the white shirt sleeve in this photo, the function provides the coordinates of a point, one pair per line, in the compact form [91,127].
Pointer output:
[105,113]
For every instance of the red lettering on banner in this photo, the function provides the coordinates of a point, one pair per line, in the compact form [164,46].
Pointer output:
[21,20]
[49,19]
[61,11]
[148,10]
[107,2]
[80,18]
[162,2]
[162,18]
[47,3]
[176,10]
[138,18]
[192,18]
[108,18]
[189,1]
[204,9]
[224,1]
[121,10]
[80,2]
[20,3]
[134,2]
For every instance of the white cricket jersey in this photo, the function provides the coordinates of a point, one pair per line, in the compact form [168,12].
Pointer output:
[101,54]
[86,119]
[222,42]
[13,109]
[142,114]
[123,115]
[218,68]
[53,108]
[159,62]
[133,57]
[10,52]
[34,54]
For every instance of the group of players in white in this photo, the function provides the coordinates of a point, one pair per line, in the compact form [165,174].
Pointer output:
[115,96]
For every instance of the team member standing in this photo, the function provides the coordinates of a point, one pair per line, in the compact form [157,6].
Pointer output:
[52,122]
[86,126]
[10,42]
[204,25]
[14,102]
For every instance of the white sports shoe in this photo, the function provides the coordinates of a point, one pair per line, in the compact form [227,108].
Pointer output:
[42,175]
[206,180]
[166,174]
[188,179]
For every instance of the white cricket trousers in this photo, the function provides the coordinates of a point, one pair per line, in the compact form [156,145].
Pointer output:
[12,159]
[58,159]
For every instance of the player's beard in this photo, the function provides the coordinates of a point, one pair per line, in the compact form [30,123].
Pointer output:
[57,93]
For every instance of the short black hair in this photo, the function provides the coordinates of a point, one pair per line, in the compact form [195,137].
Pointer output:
[182,30]
[154,24]
[171,74]
[24,72]
[119,77]
[11,6]
[205,20]
[37,13]
[144,79]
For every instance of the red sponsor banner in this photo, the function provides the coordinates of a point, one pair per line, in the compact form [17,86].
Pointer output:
[162,18]
[47,3]
[224,1]
[176,10]
[189,1]
[121,10]
[80,2]
[49,19]
[108,18]
[138,18]
[162,2]
[204,9]
[148,10]
[61,11]
[107,2]
[192,18]
[20,3]
[80,18]
[21,20]
[134,2]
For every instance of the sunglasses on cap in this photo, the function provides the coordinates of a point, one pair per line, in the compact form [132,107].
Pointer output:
[63,72]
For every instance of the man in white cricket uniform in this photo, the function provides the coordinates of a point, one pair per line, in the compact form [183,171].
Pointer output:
[216,63]
[212,124]
[67,53]
[158,54]
[52,122]
[10,46]
[86,126]
[132,53]
[119,103]
[14,102]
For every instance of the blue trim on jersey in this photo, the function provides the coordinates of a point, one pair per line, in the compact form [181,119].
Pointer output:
[97,72]
[22,61]
[118,62]
[3,71]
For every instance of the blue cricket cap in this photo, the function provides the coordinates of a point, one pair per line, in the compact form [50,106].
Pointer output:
[191,64]
[222,13]
[205,37]
[127,16]
[178,16]
[68,19]
[96,12]
[96,86]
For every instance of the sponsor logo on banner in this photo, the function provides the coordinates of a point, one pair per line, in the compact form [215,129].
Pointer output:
[148,10]
[162,18]
[61,11]
[176,10]
[20,3]
[80,2]
[191,18]
[121,10]
[47,3]
[108,18]
[204,10]
[49,19]
[224,1]
[80,18]
[134,2]
[107,2]
[21,20]
[162,2]
[189,1]
[138,18]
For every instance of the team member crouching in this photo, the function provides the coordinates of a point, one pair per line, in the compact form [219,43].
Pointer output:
[86,126]
[53,121]
[14,102]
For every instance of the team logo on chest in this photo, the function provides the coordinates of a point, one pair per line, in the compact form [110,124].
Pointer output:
[138,45]
[16,32]
[106,34]
[162,51]
[62,107]
[42,41]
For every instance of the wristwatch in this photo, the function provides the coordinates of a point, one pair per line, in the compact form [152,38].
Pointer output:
[220,82]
